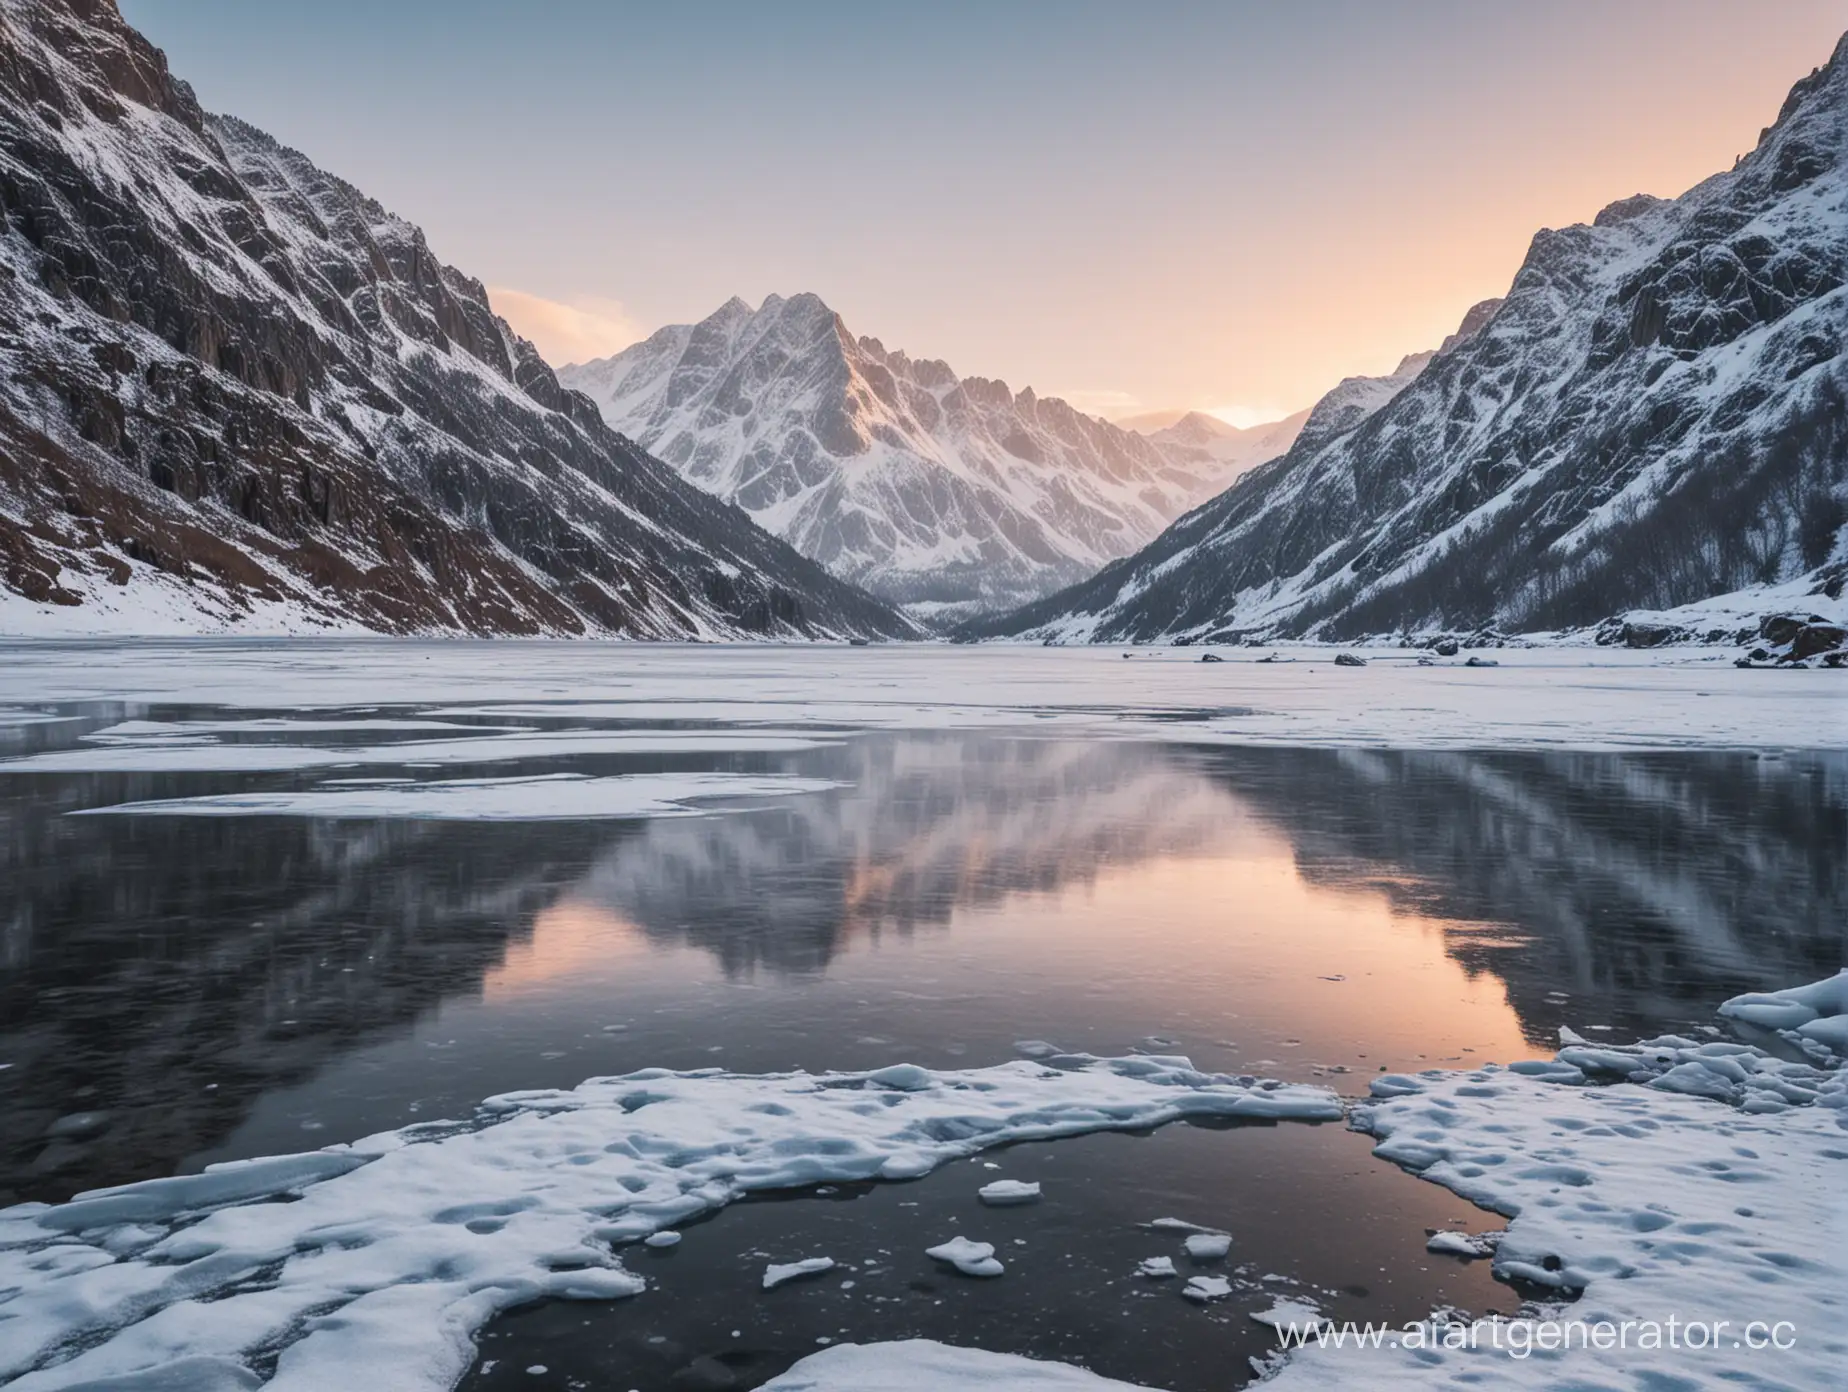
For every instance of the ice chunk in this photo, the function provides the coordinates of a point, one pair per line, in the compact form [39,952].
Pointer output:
[667,1237]
[923,1365]
[1157,1267]
[970,1258]
[1179,1225]
[1004,1193]
[1793,1008]
[1205,1288]
[1291,1313]
[541,797]
[776,1274]
[905,1077]
[1459,1244]
[1206,1246]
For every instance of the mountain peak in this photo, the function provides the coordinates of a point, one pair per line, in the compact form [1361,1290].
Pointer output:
[952,495]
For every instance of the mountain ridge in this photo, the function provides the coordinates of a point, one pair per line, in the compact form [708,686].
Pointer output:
[1652,418]
[947,494]
[241,395]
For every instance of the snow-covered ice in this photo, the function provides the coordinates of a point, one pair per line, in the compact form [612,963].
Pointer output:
[1207,1246]
[1290,1312]
[1461,1244]
[1157,1268]
[967,1256]
[164,753]
[923,1365]
[1005,1193]
[1817,1012]
[1538,698]
[390,1253]
[1205,1288]
[778,1273]
[543,797]
[1180,1225]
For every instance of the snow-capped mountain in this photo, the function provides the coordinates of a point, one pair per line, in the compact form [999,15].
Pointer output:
[950,495]
[236,392]
[1654,416]
[1196,437]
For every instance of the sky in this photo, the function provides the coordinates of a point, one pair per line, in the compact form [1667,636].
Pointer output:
[1138,207]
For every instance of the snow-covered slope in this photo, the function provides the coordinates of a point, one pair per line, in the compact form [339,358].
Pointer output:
[237,393]
[1653,416]
[1206,440]
[950,495]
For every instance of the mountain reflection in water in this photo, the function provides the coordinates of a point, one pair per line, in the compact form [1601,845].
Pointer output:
[163,975]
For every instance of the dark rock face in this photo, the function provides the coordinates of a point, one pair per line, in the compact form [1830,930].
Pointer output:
[1812,639]
[1648,635]
[234,384]
[1656,414]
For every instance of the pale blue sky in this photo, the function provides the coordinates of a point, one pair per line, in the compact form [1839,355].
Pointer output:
[1148,205]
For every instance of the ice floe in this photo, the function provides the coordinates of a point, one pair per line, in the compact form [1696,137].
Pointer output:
[390,1253]
[542,797]
[1205,1288]
[970,1258]
[1461,1244]
[1817,1013]
[1180,1225]
[1291,1312]
[1157,1268]
[777,1273]
[1207,1246]
[1006,1193]
[167,753]
[923,1365]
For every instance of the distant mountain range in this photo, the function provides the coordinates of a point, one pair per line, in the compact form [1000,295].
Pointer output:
[1194,434]
[1652,419]
[236,393]
[950,495]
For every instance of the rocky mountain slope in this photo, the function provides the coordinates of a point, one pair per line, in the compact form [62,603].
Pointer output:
[237,393]
[1653,417]
[1198,437]
[950,495]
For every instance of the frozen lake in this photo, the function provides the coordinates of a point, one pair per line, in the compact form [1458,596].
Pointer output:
[262,898]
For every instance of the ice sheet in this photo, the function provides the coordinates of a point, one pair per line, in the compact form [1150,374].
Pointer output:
[389,1254]
[163,753]
[1538,697]
[551,797]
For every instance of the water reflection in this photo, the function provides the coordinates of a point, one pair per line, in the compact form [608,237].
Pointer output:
[1645,887]
[162,976]
[928,824]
